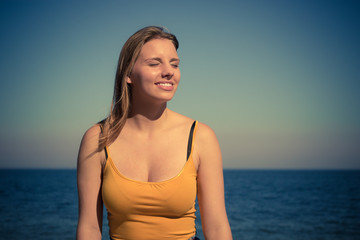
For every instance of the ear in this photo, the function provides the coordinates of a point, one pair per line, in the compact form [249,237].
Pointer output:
[128,80]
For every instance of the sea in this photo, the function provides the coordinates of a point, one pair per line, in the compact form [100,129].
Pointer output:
[261,204]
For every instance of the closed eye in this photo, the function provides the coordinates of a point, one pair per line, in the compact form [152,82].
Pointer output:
[175,62]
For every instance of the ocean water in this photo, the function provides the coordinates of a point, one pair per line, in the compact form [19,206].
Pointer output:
[261,204]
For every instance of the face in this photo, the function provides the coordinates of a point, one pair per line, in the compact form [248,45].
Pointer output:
[156,74]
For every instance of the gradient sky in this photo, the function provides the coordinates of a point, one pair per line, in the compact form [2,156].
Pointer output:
[278,81]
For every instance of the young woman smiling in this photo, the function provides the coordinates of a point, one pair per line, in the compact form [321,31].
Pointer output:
[145,162]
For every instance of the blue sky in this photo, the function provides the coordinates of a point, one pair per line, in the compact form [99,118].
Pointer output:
[278,81]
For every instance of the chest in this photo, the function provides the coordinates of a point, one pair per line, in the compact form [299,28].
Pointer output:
[160,209]
[151,159]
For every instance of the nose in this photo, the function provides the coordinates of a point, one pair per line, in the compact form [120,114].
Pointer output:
[168,71]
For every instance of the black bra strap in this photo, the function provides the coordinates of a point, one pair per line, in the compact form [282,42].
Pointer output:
[190,140]
[106,153]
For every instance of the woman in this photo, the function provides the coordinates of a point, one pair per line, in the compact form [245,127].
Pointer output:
[145,162]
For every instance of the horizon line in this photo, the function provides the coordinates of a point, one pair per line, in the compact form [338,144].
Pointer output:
[225,169]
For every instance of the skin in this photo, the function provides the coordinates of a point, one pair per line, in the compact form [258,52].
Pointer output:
[162,137]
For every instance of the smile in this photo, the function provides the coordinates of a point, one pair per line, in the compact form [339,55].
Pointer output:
[165,84]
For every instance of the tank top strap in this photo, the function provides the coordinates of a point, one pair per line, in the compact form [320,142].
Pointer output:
[191,139]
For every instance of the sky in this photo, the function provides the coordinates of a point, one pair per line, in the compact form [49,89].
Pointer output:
[278,81]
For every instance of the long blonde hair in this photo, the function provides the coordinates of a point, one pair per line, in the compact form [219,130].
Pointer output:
[121,102]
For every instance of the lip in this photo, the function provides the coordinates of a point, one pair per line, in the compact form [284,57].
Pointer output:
[167,86]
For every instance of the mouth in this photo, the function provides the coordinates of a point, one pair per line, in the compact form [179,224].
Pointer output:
[164,84]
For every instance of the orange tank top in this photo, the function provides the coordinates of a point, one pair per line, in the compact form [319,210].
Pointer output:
[151,210]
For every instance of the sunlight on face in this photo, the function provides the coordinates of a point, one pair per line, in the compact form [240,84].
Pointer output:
[156,72]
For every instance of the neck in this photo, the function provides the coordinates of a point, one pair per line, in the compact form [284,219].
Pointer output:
[147,117]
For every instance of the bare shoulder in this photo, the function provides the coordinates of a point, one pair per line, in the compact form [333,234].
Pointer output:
[89,142]
[91,136]
[207,146]
[205,134]
[179,119]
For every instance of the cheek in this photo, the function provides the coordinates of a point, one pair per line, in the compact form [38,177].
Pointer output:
[147,78]
[141,77]
[178,76]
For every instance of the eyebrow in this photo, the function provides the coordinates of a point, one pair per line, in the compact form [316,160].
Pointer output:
[159,59]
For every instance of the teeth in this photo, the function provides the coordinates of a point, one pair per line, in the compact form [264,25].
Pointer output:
[165,84]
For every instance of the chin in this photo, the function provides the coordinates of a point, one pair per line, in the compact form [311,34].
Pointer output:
[165,99]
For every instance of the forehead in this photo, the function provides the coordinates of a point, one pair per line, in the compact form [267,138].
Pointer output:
[158,47]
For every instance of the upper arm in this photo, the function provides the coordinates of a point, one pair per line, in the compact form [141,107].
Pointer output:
[89,178]
[211,185]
